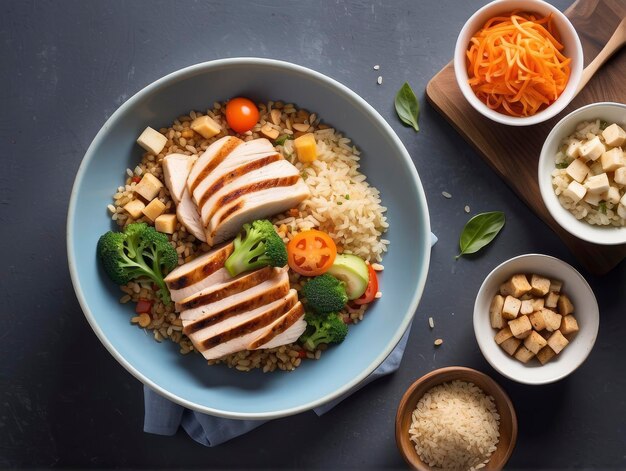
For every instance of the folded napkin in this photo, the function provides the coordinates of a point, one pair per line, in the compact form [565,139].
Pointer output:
[163,417]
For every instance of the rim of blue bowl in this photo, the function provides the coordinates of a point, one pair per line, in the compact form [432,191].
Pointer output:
[192,70]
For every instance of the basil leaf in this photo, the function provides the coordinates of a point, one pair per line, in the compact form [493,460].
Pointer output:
[479,231]
[561,165]
[280,141]
[407,106]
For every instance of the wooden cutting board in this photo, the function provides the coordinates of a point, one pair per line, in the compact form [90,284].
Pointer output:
[513,152]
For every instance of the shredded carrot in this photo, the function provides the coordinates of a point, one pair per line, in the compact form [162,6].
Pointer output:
[515,64]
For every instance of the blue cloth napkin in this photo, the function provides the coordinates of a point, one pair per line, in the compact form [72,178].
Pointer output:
[163,417]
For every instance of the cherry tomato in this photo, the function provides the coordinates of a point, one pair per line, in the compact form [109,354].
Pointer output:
[311,253]
[143,305]
[241,114]
[371,290]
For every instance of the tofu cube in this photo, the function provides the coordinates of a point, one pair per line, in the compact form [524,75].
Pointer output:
[614,136]
[510,345]
[552,299]
[578,170]
[612,159]
[521,327]
[148,187]
[592,149]
[573,149]
[527,307]
[545,355]
[557,342]
[495,312]
[597,183]
[154,209]
[538,304]
[134,208]
[537,320]
[306,148]
[524,355]
[206,126]
[165,223]
[569,325]
[540,285]
[517,286]
[503,334]
[535,342]
[564,305]
[552,320]
[619,176]
[152,140]
[511,307]
[556,286]
[593,198]
[612,196]
[270,132]
[575,191]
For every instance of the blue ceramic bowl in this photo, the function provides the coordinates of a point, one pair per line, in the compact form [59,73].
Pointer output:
[188,380]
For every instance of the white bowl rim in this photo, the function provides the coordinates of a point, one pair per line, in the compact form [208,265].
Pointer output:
[568,94]
[577,228]
[479,318]
[192,70]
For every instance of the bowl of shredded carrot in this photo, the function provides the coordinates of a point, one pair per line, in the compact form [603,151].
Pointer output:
[518,62]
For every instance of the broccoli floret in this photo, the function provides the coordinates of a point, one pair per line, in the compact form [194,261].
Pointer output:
[137,252]
[256,246]
[325,293]
[327,328]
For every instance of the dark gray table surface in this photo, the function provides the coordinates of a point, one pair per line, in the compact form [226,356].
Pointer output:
[65,402]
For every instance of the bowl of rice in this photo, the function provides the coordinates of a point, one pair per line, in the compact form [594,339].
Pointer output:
[353,197]
[581,158]
[456,418]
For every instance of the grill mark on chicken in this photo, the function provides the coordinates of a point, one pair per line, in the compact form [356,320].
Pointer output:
[257,301]
[201,272]
[235,173]
[224,152]
[250,325]
[296,313]
[234,287]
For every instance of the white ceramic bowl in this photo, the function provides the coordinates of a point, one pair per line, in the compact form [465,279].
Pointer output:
[572,49]
[586,313]
[605,235]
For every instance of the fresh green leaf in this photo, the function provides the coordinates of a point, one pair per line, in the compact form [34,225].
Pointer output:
[407,106]
[280,140]
[480,231]
[561,165]
[602,207]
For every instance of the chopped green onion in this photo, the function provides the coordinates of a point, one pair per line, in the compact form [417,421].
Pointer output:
[561,165]
[347,197]
[602,207]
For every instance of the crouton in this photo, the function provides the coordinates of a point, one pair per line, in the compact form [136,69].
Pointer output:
[537,320]
[517,286]
[540,285]
[503,334]
[538,304]
[545,355]
[564,305]
[569,325]
[521,327]
[527,307]
[495,312]
[552,319]
[510,345]
[552,299]
[557,342]
[534,342]
[511,307]
[523,354]
[556,286]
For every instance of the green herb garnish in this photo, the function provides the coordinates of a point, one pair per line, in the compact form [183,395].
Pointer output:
[480,231]
[339,203]
[561,165]
[347,196]
[407,106]
[280,141]
[604,125]
[602,207]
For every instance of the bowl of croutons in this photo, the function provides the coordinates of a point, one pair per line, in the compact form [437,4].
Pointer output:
[535,319]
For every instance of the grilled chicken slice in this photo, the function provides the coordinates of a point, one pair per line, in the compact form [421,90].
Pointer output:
[176,168]
[234,334]
[187,214]
[198,274]
[228,219]
[210,159]
[283,331]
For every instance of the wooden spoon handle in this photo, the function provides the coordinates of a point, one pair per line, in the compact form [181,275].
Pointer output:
[612,46]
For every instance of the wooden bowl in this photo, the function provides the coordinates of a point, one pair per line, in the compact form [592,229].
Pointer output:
[508,419]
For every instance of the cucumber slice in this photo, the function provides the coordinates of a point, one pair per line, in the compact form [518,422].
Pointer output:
[353,271]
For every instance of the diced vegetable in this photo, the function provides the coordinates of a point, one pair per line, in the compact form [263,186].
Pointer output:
[206,126]
[148,187]
[306,148]
[143,305]
[154,209]
[311,253]
[371,290]
[353,271]
[152,141]
[165,223]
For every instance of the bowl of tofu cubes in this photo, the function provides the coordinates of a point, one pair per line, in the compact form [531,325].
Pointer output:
[535,319]
[582,173]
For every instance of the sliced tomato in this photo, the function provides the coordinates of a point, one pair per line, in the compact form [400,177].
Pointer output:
[371,290]
[311,253]
[143,305]
[241,114]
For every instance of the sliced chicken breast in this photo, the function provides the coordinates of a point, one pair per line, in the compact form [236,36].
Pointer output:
[283,331]
[278,197]
[210,159]
[188,215]
[198,274]
[176,168]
